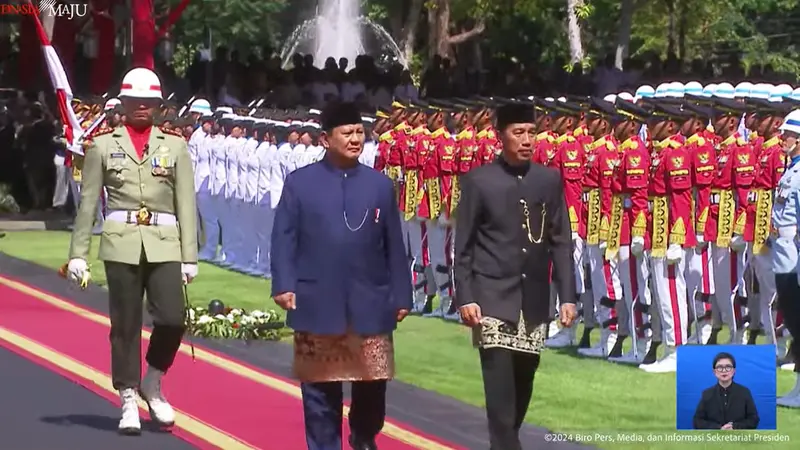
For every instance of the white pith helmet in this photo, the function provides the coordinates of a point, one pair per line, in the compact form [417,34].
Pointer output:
[141,83]
[625,96]
[611,98]
[693,88]
[661,90]
[201,106]
[761,91]
[708,90]
[779,92]
[791,122]
[743,89]
[111,103]
[724,90]
[676,89]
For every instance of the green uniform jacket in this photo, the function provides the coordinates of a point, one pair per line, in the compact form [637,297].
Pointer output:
[132,184]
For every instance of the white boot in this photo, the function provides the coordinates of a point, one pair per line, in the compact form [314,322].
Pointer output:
[791,399]
[739,337]
[553,328]
[642,347]
[600,350]
[667,364]
[160,411]
[565,337]
[420,300]
[129,424]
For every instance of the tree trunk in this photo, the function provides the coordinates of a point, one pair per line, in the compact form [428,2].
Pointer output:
[683,23]
[439,39]
[409,34]
[624,33]
[671,28]
[574,32]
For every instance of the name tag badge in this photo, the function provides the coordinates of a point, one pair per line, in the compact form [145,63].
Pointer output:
[117,156]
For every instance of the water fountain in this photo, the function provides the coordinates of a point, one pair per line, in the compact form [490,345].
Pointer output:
[339,31]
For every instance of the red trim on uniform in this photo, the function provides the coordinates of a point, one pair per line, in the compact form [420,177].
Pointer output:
[610,293]
[706,277]
[676,310]
[778,319]
[153,87]
[426,255]
[737,310]
[638,318]
[448,257]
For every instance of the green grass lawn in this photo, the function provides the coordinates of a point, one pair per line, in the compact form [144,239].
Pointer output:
[572,395]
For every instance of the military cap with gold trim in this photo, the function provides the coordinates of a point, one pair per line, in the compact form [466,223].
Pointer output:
[629,111]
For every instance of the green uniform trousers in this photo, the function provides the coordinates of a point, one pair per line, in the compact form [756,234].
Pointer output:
[127,285]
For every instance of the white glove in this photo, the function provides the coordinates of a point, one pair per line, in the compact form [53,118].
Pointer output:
[602,246]
[738,243]
[78,271]
[189,272]
[575,237]
[701,242]
[637,245]
[674,254]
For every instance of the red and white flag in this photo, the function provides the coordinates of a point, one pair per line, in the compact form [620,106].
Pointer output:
[72,126]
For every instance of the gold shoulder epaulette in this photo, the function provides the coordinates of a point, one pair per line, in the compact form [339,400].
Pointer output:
[385,137]
[171,132]
[101,131]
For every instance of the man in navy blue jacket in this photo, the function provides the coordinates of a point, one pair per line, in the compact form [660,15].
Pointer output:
[339,268]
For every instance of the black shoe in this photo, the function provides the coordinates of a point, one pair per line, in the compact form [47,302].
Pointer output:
[361,444]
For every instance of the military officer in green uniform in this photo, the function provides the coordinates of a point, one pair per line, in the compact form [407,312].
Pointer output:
[148,245]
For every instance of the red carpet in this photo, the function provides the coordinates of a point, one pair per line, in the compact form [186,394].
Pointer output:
[252,412]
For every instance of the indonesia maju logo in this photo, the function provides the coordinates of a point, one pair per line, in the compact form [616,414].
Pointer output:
[54,8]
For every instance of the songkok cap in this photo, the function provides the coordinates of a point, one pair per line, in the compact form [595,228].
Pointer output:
[141,83]
[337,114]
[514,113]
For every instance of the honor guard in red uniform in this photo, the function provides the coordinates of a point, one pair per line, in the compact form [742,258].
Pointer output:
[566,154]
[601,159]
[628,217]
[672,230]
[486,137]
[699,267]
[414,210]
[726,223]
[437,174]
[767,118]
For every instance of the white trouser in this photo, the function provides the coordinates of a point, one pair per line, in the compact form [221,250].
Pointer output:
[229,226]
[418,238]
[578,247]
[240,223]
[580,259]
[670,289]
[699,277]
[438,251]
[63,175]
[248,250]
[205,205]
[265,217]
[760,309]
[634,273]
[729,280]
[606,286]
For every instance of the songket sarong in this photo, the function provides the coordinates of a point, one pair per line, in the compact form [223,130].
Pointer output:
[496,333]
[349,357]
